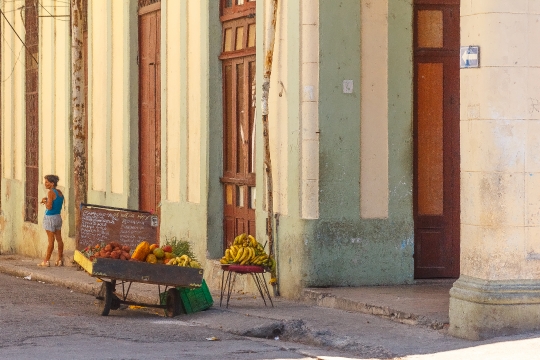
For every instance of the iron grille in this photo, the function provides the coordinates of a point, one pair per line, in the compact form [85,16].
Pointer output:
[32,120]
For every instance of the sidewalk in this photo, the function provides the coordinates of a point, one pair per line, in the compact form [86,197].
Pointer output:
[337,319]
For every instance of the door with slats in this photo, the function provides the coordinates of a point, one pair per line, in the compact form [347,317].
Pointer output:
[436,138]
[149,106]
[238,61]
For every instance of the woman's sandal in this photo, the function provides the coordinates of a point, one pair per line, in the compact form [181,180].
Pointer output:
[44,264]
[59,262]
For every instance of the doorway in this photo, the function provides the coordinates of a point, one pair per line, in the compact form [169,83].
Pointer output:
[436,139]
[238,61]
[149,106]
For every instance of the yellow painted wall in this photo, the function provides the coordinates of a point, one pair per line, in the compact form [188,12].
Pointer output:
[112,96]
[310,109]
[175,91]
[55,93]
[118,94]
[13,58]
[278,115]
[99,92]
[374,110]
[194,58]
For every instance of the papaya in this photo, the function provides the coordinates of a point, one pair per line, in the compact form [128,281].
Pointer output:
[141,251]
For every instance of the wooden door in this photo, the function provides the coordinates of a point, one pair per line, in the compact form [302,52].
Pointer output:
[436,139]
[238,60]
[149,108]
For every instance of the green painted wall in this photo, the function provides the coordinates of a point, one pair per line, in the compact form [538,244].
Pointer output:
[345,249]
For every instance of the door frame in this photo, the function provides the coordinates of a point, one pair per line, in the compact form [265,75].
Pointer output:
[449,56]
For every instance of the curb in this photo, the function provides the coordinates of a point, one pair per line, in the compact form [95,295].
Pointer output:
[318,298]
[36,276]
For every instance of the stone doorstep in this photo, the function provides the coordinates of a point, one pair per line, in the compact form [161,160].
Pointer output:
[326,299]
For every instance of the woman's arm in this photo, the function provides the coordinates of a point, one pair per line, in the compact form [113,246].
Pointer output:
[50,198]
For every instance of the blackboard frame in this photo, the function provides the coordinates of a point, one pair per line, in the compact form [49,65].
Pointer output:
[103,224]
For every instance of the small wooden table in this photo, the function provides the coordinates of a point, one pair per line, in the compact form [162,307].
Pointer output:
[256,272]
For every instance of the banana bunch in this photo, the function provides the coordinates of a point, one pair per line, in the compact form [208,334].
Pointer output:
[246,250]
[185,261]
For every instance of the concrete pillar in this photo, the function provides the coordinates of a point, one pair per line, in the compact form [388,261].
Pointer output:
[498,292]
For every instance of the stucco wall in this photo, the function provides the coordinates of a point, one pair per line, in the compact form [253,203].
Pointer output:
[499,125]
[348,249]
[112,103]
[54,115]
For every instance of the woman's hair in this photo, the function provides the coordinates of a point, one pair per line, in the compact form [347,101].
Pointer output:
[52,179]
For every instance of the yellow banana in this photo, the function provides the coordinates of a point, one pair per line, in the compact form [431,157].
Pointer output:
[222,260]
[227,254]
[234,251]
[245,255]
[252,241]
[238,255]
[250,255]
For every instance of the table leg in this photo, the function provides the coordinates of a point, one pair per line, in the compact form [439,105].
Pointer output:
[267,291]
[223,285]
[231,285]
[255,277]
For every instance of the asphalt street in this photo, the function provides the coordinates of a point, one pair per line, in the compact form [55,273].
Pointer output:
[44,321]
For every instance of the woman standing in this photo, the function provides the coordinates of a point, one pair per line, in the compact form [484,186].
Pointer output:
[52,221]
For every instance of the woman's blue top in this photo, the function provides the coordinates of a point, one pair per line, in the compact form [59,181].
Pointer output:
[56,204]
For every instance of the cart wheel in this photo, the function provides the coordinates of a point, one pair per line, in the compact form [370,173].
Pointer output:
[173,303]
[101,293]
[115,302]
[106,296]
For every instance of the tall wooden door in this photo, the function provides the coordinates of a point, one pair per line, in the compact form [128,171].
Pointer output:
[436,139]
[149,107]
[238,60]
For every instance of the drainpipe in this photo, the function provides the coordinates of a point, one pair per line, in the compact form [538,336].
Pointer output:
[269,55]
[77,108]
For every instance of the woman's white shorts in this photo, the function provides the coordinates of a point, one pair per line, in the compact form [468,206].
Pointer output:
[52,222]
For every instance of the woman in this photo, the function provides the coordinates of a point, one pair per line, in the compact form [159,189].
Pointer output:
[52,221]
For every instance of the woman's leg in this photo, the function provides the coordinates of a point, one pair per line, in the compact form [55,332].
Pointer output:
[58,235]
[50,248]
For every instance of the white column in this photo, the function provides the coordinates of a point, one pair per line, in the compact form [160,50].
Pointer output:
[499,288]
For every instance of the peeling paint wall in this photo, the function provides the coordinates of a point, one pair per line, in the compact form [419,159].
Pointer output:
[346,249]
[54,113]
[327,242]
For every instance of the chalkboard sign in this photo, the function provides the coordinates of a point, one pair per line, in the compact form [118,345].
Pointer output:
[105,224]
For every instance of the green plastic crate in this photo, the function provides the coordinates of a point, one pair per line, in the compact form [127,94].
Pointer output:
[197,299]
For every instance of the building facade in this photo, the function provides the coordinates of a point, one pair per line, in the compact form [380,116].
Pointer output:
[389,162]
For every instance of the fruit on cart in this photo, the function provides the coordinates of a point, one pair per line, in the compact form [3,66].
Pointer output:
[158,253]
[153,246]
[151,258]
[167,248]
[168,255]
[185,261]
[141,251]
[112,250]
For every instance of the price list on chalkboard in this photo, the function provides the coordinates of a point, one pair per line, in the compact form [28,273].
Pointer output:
[127,227]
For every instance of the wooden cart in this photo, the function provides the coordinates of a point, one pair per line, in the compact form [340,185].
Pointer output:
[115,272]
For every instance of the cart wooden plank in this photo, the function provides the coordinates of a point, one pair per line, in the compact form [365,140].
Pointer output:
[134,271]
